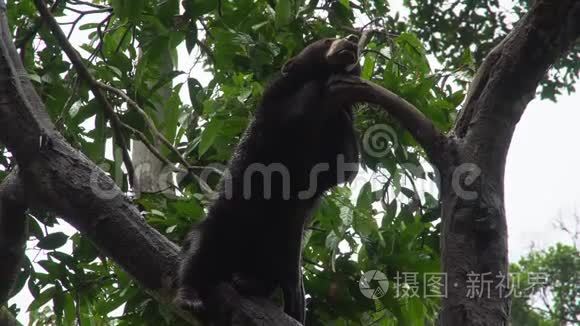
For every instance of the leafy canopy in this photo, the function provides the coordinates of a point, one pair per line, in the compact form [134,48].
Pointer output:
[389,223]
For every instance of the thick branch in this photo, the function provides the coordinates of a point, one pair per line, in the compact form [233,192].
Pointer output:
[58,178]
[474,227]
[84,73]
[55,176]
[12,234]
[249,312]
[510,74]
[349,88]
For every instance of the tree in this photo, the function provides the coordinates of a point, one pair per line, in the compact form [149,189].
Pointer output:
[556,297]
[47,102]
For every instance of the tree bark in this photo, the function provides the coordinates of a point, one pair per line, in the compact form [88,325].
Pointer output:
[13,234]
[474,233]
[58,178]
[152,175]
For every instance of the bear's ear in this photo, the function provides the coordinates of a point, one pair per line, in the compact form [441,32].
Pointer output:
[287,67]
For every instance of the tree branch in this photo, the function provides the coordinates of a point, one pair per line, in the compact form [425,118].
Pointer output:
[354,89]
[13,234]
[56,177]
[132,104]
[88,3]
[474,226]
[508,78]
[84,73]
[257,311]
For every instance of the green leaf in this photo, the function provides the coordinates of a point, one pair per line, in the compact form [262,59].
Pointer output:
[167,10]
[52,241]
[195,91]
[84,250]
[187,209]
[467,58]
[191,39]
[69,309]
[34,228]
[88,26]
[117,171]
[35,78]
[411,232]
[209,134]
[157,51]
[42,299]
[131,10]
[364,225]
[85,112]
[172,111]
[408,192]
[457,97]
[413,52]
[63,258]
[368,67]
[365,197]
[332,241]
[116,40]
[96,150]
[58,301]
[283,12]
[165,80]
[198,8]
[415,312]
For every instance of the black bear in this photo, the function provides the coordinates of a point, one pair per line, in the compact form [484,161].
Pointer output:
[300,144]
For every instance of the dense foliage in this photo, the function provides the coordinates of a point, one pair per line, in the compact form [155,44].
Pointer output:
[555,300]
[388,222]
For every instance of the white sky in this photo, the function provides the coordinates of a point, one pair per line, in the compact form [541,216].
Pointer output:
[542,181]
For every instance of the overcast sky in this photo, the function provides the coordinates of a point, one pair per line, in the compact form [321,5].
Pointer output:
[542,179]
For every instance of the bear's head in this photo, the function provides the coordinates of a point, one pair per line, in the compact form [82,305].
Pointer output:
[325,57]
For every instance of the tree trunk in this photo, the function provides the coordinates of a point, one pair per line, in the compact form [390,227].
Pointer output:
[152,176]
[474,233]
[13,234]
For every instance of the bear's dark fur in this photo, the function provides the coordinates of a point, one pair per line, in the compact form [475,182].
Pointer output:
[252,236]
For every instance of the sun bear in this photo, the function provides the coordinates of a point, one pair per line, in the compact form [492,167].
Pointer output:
[300,144]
